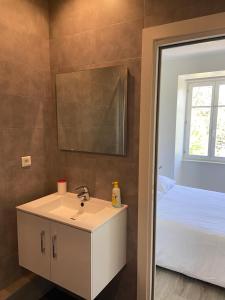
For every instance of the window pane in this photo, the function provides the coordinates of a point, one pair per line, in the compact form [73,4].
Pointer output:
[220,133]
[199,131]
[222,94]
[201,95]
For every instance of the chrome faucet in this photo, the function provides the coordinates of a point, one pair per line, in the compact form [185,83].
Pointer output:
[84,194]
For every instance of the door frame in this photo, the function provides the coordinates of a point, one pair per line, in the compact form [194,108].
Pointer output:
[153,38]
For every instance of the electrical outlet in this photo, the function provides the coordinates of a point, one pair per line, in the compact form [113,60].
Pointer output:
[26,161]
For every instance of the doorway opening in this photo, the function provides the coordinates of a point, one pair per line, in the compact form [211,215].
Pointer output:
[194,31]
[190,196]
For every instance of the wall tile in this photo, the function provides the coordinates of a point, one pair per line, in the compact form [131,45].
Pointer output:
[67,19]
[50,114]
[113,43]
[78,170]
[118,42]
[133,107]
[161,12]
[22,141]
[24,95]
[11,272]
[24,48]
[5,111]
[18,79]
[26,16]
[27,184]
[109,170]
[8,232]
[113,12]
[70,17]
[27,112]
[5,182]
[75,50]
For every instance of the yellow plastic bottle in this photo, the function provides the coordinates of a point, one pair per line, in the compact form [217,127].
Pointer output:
[116,197]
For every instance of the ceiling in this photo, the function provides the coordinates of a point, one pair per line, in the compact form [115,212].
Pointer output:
[195,49]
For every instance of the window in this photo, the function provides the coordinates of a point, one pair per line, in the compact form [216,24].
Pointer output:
[205,120]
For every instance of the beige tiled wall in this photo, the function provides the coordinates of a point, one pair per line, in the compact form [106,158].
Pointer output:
[26,118]
[164,11]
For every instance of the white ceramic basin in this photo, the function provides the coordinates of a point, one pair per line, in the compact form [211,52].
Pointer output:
[70,207]
[68,210]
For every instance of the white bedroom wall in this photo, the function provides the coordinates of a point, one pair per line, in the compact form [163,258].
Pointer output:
[167,124]
[180,126]
[196,174]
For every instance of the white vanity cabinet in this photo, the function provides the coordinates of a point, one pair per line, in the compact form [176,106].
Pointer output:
[71,259]
[81,261]
[34,243]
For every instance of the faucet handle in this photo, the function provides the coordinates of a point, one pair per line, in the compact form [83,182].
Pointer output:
[84,187]
[84,193]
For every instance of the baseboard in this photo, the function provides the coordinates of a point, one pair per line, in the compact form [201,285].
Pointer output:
[26,288]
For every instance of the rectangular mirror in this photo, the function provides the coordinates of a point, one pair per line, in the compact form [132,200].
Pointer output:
[92,110]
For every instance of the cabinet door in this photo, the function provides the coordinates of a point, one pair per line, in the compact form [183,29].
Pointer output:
[71,259]
[34,243]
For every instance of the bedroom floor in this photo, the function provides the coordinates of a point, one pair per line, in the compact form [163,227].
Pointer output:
[174,286]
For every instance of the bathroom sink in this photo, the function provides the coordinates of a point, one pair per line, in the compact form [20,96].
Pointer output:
[80,248]
[70,207]
[68,210]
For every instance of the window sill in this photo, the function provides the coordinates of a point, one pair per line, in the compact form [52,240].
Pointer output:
[204,161]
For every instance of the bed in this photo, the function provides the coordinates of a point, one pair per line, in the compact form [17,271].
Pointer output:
[190,235]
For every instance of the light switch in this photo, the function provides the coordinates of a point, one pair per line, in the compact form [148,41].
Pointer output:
[26,161]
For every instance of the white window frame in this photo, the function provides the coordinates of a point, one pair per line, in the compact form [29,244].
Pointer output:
[214,82]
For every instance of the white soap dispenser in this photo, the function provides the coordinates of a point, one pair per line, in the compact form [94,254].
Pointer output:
[116,197]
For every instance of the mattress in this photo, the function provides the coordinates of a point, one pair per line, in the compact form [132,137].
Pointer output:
[190,235]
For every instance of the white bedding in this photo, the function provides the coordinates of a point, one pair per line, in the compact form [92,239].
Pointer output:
[191,233]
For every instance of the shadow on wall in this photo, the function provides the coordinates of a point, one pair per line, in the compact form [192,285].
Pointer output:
[25,118]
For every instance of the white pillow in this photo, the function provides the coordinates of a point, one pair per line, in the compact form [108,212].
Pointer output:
[164,184]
